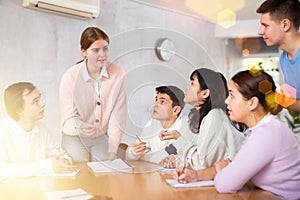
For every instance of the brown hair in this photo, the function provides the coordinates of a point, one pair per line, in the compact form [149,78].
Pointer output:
[258,84]
[13,98]
[89,36]
[281,9]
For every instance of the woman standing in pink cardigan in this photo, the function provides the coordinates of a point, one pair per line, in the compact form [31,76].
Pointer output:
[93,102]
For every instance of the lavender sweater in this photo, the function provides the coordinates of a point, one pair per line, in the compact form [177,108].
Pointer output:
[269,157]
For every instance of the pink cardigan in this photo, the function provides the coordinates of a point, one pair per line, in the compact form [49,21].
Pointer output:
[79,103]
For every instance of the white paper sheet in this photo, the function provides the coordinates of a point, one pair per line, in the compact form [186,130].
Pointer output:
[165,170]
[176,184]
[117,165]
[61,174]
[76,194]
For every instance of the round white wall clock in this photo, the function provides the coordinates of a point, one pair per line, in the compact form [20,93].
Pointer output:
[165,49]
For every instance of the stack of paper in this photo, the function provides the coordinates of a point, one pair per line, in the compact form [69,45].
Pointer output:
[117,165]
[61,174]
[77,194]
[176,184]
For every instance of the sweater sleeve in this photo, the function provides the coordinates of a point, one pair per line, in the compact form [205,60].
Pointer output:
[150,136]
[11,170]
[187,137]
[254,155]
[209,147]
[23,169]
[53,147]
[70,119]
[131,155]
[117,121]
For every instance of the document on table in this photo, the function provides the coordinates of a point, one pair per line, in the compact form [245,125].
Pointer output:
[176,184]
[166,170]
[117,165]
[61,174]
[77,194]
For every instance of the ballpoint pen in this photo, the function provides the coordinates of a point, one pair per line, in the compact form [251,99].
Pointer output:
[185,166]
[138,138]
[147,148]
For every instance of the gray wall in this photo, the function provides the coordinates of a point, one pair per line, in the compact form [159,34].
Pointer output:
[39,47]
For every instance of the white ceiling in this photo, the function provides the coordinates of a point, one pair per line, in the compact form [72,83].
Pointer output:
[247,12]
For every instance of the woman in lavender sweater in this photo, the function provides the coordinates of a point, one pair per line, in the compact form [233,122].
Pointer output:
[269,157]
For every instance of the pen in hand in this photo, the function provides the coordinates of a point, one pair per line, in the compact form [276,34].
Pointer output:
[138,138]
[147,148]
[184,166]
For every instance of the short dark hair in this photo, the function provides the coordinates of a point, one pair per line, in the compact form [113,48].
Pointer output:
[13,98]
[281,9]
[175,94]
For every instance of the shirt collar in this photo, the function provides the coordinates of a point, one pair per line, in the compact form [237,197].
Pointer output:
[86,75]
[264,120]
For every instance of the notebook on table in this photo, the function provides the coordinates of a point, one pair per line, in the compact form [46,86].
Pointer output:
[117,165]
